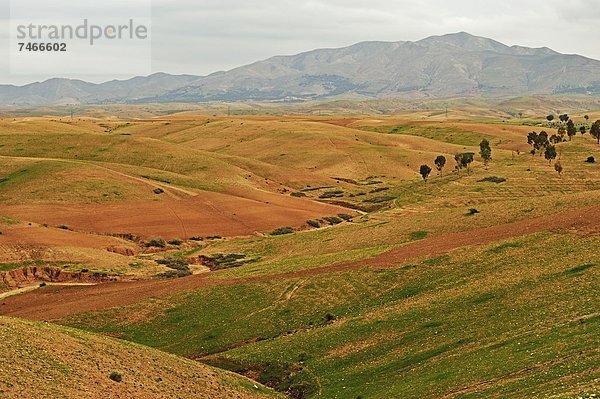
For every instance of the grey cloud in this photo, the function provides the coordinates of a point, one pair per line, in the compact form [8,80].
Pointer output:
[200,37]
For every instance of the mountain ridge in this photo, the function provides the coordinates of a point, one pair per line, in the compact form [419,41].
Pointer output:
[453,65]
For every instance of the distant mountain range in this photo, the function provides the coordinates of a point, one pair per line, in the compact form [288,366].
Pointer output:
[455,65]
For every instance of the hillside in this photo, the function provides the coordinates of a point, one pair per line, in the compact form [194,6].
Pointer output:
[477,283]
[454,65]
[42,360]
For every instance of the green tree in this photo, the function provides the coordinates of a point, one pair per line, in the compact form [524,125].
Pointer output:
[571,129]
[440,162]
[564,118]
[550,118]
[587,118]
[558,168]
[464,160]
[485,151]
[595,130]
[532,140]
[550,153]
[554,139]
[562,132]
[425,171]
[543,141]
[582,130]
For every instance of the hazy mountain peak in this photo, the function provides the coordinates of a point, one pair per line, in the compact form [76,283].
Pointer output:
[453,65]
[464,41]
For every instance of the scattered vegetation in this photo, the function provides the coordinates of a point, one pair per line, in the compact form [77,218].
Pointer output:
[418,235]
[116,376]
[346,217]
[282,231]
[156,243]
[225,261]
[333,220]
[180,268]
[492,179]
[313,223]
[332,194]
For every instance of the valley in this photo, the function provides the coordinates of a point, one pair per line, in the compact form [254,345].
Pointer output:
[296,250]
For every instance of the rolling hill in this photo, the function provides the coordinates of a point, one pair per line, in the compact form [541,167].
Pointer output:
[474,284]
[454,65]
[57,362]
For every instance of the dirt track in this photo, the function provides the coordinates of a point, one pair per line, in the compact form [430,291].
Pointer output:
[57,302]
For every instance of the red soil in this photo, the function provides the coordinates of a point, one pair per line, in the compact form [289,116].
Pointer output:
[35,235]
[57,302]
[33,274]
[206,214]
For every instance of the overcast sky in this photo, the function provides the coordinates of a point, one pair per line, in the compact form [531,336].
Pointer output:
[200,36]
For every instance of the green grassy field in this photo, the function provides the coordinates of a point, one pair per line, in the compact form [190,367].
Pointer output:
[520,314]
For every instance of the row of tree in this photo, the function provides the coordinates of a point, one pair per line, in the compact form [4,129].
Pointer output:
[570,129]
[564,118]
[541,143]
[463,161]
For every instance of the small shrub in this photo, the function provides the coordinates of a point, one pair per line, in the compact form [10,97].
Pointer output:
[313,223]
[472,212]
[298,195]
[590,160]
[84,271]
[172,263]
[63,227]
[333,220]
[303,357]
[156,243]
[329,318]
[158,191]
[42,285]
[282,231]
[332,194]
[224,261]
[418,235]
[346,217]
[196,239]
[175,242]
[493,179]
[116,377]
